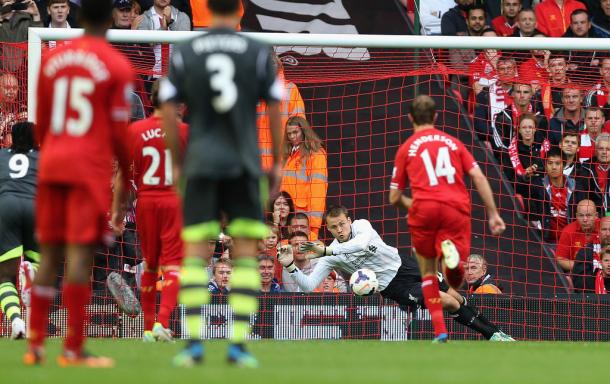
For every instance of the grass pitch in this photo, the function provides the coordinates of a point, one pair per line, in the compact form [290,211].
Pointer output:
[314,362]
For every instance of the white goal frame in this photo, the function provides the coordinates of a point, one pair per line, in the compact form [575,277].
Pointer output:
[37,35]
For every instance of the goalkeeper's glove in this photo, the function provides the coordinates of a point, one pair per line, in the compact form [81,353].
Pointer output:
[285,257]
[315,249]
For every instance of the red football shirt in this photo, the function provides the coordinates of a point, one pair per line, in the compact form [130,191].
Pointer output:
[435,164]
[572,239]
[82,114]
[482,70]
[502,26]
[559,209]
[152,161]
[533,72]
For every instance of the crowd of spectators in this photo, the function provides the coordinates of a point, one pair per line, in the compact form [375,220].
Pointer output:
[542,115]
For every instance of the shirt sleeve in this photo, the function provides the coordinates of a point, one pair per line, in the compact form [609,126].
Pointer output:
[120,99]
[307,283]
[364,233]
[563,246]
[541,22]
[399,172]
[426,18]
[271,86]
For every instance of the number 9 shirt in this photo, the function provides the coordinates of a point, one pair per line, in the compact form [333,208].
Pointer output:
[435,164]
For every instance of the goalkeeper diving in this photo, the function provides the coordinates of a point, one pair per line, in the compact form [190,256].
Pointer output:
[357,245]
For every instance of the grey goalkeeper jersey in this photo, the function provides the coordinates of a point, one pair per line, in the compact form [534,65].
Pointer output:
[18,173]
[365,249]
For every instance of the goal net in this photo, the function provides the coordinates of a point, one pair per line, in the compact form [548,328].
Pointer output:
[356,92]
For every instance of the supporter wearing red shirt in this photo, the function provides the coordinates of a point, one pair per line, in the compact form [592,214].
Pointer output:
[534,69]
[82,115]
[583,231]
[482,69]
[553,16]
[439,212]
[505,24]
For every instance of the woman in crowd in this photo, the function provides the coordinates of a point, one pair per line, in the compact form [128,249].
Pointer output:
[524,159]
[278,213]
[305,175]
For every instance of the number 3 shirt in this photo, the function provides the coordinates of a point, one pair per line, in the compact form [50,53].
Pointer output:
[221,76]
[82,114]
[435,164]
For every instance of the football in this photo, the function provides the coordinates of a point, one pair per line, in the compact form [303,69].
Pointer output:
[363,282]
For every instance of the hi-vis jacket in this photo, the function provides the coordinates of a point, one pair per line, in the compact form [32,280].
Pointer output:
[291,105]
[306,180]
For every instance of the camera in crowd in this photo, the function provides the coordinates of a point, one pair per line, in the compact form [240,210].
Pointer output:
[17,5]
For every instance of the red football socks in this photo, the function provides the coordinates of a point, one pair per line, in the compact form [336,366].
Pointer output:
[169,296]
[76,297]
[39,314]
[148,296]
[432,299]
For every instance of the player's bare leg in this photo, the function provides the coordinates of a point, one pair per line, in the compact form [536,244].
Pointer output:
[43,293]
[9,299]
[245,287]
[194,287]
[432,297]
[76,296]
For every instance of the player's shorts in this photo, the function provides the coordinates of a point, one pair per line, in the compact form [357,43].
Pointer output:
[69,214]
[405,288]
[431,222]
[240,199]
[159,223]
[17,229]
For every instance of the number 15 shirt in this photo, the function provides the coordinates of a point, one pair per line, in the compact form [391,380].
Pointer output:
[435,164]
[83,112]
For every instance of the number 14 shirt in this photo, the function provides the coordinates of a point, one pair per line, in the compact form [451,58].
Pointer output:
[434,163]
